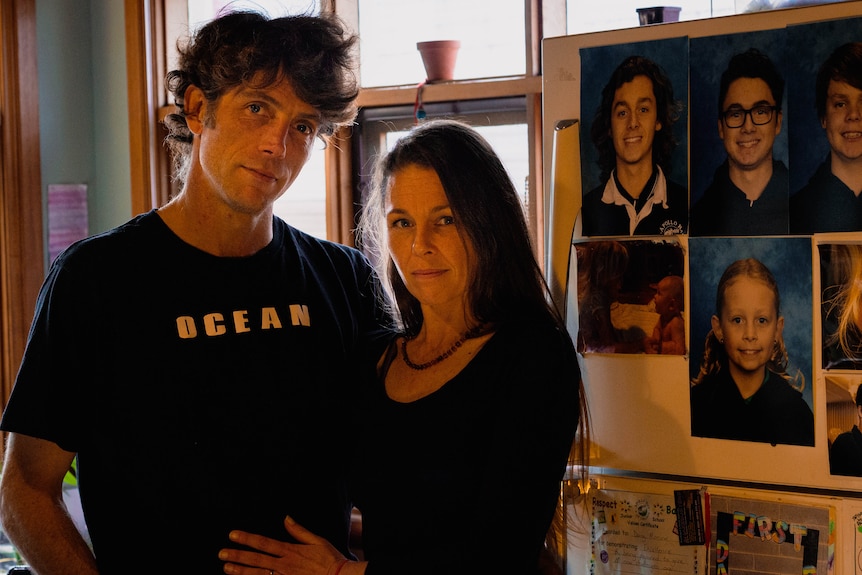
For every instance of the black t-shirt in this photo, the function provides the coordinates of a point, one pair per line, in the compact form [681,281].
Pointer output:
[775,414]
[201,394]
[443,480]
[845,454]
[825,204]
[723,210]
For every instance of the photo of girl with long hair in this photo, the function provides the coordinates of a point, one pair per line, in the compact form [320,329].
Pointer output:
[746,388]
[841,305]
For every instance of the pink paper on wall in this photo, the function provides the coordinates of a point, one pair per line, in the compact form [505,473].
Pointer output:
[67,216]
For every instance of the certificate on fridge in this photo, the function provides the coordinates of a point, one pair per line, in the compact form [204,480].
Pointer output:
[637,533]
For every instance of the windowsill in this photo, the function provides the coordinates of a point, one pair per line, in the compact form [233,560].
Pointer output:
[480,89]
[450,91]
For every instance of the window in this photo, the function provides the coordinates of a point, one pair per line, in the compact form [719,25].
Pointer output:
[508,68]
[499,58]
[491,91]
[492,46]
[492,39]
[201,11]
[501,121]
[613,14]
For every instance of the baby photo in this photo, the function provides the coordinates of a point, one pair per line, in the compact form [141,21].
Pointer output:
[631,297]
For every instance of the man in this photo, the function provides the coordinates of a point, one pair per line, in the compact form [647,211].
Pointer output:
[632,132]
[748,194]
[830,201]
[845,453]
[198,359]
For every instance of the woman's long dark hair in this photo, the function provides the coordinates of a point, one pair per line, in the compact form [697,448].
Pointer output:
[507,281]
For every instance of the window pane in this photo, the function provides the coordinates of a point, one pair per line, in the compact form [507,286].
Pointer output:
[502,121]
[303,205]
[491,35]
[510,143]
[201,11]
[614,14]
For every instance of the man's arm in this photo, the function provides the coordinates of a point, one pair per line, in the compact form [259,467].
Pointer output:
[32,509]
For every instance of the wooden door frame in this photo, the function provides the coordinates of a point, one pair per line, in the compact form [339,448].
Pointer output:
[146,61]
[22,260]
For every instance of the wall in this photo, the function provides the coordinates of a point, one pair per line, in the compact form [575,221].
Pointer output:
[83,105]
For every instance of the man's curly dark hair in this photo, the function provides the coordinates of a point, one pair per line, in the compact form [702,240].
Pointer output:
[314,53]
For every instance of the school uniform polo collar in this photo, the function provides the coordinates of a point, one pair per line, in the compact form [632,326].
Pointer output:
[657,195]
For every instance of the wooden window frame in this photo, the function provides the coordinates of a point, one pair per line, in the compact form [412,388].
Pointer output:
[150,22]
[21,245]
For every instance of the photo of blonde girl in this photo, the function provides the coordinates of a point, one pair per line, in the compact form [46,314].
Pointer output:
[841,278]
[743,390]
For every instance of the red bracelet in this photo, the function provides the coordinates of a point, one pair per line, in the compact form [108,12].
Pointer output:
[342,564]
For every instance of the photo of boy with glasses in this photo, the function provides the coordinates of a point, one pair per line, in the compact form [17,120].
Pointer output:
[749,192]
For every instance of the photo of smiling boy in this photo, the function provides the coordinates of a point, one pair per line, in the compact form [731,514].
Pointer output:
[634,134]
[748,194]
[830,201]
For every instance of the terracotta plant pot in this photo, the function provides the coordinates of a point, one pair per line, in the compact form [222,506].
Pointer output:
[439,59]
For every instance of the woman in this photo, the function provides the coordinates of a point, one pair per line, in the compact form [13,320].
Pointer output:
[601,269]
[466,432]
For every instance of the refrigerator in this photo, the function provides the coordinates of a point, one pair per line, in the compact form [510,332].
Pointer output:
[712,491]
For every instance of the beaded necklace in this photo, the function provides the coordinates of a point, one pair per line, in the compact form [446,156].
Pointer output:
[475,332]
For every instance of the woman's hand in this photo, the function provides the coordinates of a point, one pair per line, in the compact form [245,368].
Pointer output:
[313,555]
